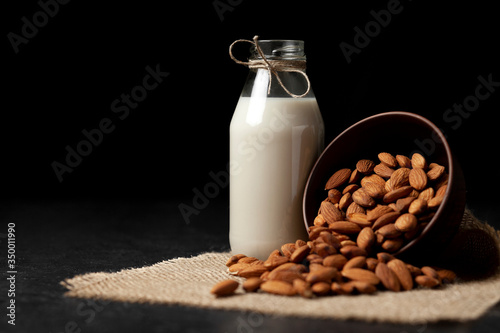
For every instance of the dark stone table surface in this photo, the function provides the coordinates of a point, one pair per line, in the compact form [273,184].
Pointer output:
[58,239]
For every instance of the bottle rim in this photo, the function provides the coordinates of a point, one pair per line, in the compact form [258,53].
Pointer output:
[279,49]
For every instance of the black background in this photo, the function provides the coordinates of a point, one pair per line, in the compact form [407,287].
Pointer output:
[65,78]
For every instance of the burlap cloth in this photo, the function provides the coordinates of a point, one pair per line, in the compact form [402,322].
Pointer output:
[187,281]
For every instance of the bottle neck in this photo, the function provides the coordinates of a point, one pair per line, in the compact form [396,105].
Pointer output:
[276,65]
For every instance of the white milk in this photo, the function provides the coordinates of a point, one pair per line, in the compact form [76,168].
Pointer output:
[274,143]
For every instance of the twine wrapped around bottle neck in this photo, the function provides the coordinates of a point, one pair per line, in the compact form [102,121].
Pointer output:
[273,66]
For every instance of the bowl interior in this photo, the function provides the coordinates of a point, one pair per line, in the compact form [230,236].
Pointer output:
[394,132]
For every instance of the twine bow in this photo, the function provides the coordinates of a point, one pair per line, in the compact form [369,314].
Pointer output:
[273,66]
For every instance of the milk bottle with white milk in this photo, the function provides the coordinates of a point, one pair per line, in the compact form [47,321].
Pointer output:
[274,141]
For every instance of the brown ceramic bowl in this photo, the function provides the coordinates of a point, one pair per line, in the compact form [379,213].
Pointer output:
[397,133]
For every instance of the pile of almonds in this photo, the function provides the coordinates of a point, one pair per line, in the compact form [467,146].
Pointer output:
[385,204]
[369,213]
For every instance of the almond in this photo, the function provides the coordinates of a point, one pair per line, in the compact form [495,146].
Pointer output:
[287,272]
[435,202]
[300,253]
[345,201]
[234,259]
[379,239]
[435,172]
[335,260]
[365,166]
[431,272]
[360,219]
[418,179]
[300,242]
[388,185]
[388,159]
[402,272]
[377,212]
[330,239]
[350,188]
[252,271]
[356,262]
[373,179]
[315,231]
[278,287]
[344,227]
[374,190]
[314,258]
[348,242]
[224,288]
[323,249]
[362,198]
[303,288]
[399,178]
[274,261]
[334,195]
[287,275]
[235,268]
[426,281]
[338,178]
[366,239]
[354,208]
[414,194]
[387,277]
[383,170]
[406,222]
[418,206]
[403,204]
[351,251]
[319,220]
[363,287]
[389,231]
[247,260]
[290,266]
[252,284]
[322,274]
[403,161]
[396,194]
[321,288]
[385,219]
[360,274]
[392,245]
[371,263]
[355,176]
[342,288]
[330,212]
[385,257]
[340,237]
[313,267]
[287,249]
[418,161]
[446,276]
[441,191]
[427,194]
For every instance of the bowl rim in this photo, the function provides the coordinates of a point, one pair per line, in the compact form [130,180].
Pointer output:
[362,122]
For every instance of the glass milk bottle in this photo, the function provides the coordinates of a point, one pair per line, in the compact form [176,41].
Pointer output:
[276,135]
